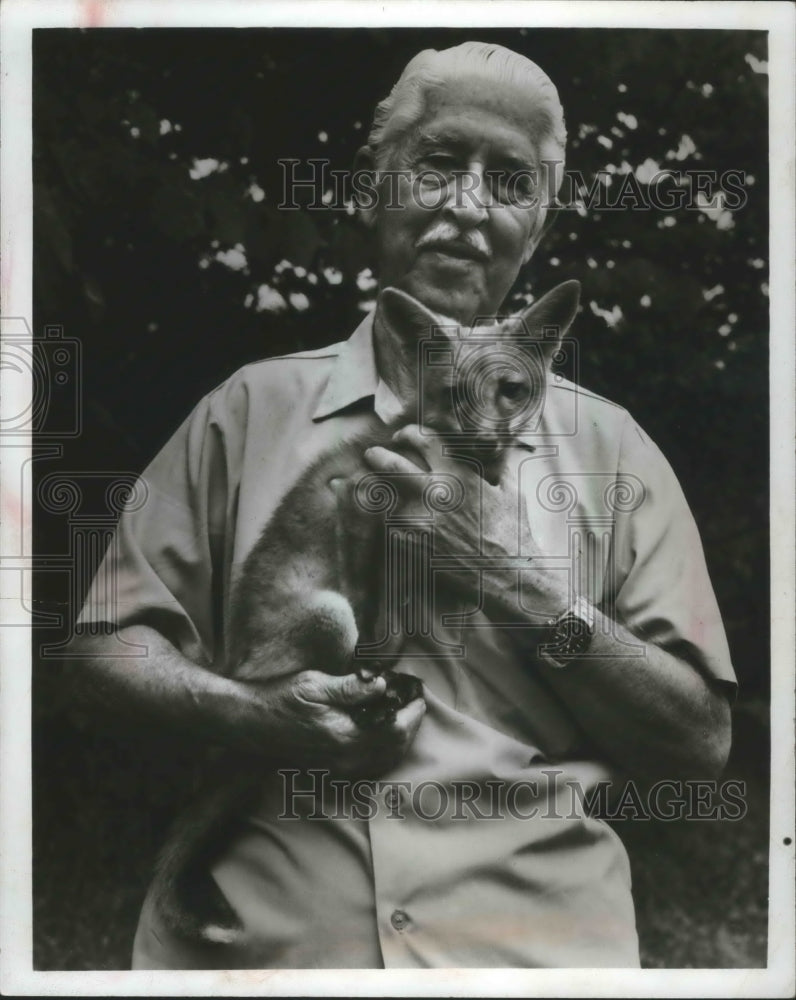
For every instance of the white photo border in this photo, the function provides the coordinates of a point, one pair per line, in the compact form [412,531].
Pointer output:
[17,20]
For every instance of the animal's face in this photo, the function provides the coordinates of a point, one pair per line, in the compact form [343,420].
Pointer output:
[481,386]
[493,388]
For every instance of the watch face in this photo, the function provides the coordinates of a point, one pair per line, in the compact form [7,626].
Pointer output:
[572,638]
[575,633]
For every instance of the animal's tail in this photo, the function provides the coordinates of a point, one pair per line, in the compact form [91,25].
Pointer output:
[185,894]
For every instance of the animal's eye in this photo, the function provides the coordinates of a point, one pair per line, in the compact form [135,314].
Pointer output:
[514,390]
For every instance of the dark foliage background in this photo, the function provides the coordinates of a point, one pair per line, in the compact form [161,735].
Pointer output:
[159,245]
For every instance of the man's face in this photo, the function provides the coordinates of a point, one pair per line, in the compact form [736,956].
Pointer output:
[447,232]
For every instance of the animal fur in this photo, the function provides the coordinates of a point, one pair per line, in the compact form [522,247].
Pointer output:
[311,588]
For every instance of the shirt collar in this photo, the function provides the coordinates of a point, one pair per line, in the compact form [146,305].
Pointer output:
[354,378]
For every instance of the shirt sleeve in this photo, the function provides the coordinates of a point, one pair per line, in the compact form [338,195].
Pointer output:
[663,592]
[165,564]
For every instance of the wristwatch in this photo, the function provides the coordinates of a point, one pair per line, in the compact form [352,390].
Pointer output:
[572,634]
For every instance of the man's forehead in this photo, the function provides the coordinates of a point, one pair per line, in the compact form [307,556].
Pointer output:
[456,103]
[465,128]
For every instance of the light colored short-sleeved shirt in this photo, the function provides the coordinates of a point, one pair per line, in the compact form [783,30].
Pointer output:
[473,852]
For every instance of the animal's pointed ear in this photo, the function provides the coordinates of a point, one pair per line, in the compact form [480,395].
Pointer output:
[549,319]
[405,316]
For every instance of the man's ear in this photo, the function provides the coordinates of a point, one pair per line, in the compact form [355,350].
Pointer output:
[533,242]
[405,316]
[549,319]
[545,223]
[365,195]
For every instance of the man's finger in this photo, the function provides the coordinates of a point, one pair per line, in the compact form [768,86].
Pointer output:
[352,689]
[428,445]
[384,460]
[408,718]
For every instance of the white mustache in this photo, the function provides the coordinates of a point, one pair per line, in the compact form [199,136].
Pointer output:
[444,232]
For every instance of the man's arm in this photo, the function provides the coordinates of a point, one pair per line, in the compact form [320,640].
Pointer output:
[159,585]
[652,714]
[301,720]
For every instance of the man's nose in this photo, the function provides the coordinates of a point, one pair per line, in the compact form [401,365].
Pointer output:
[468,197]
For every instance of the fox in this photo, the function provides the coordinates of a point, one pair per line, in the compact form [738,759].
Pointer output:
[310,594]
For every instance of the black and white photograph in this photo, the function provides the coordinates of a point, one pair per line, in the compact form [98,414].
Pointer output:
[397,499]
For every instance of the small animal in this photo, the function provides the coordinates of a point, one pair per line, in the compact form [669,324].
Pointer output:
[311,590]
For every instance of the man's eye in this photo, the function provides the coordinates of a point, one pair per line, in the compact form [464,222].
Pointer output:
[514,187]
[436,163]
[443,159]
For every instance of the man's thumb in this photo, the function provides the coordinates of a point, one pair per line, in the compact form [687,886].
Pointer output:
[353,690]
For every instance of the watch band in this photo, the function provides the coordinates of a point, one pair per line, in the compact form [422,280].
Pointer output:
[572,634]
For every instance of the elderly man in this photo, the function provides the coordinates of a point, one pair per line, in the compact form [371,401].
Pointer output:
[637,672]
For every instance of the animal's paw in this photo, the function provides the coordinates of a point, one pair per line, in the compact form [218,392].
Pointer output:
[366,670]
[401,689]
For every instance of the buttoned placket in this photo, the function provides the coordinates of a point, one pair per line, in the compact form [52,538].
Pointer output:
[392,891]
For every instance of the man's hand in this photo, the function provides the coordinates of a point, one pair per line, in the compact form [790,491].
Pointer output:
[305,720]
[490,523]
[651,713]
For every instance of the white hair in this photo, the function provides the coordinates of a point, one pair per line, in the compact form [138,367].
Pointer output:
[404,107]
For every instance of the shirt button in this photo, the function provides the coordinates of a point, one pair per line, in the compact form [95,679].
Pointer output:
[399,919]
[393,798]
